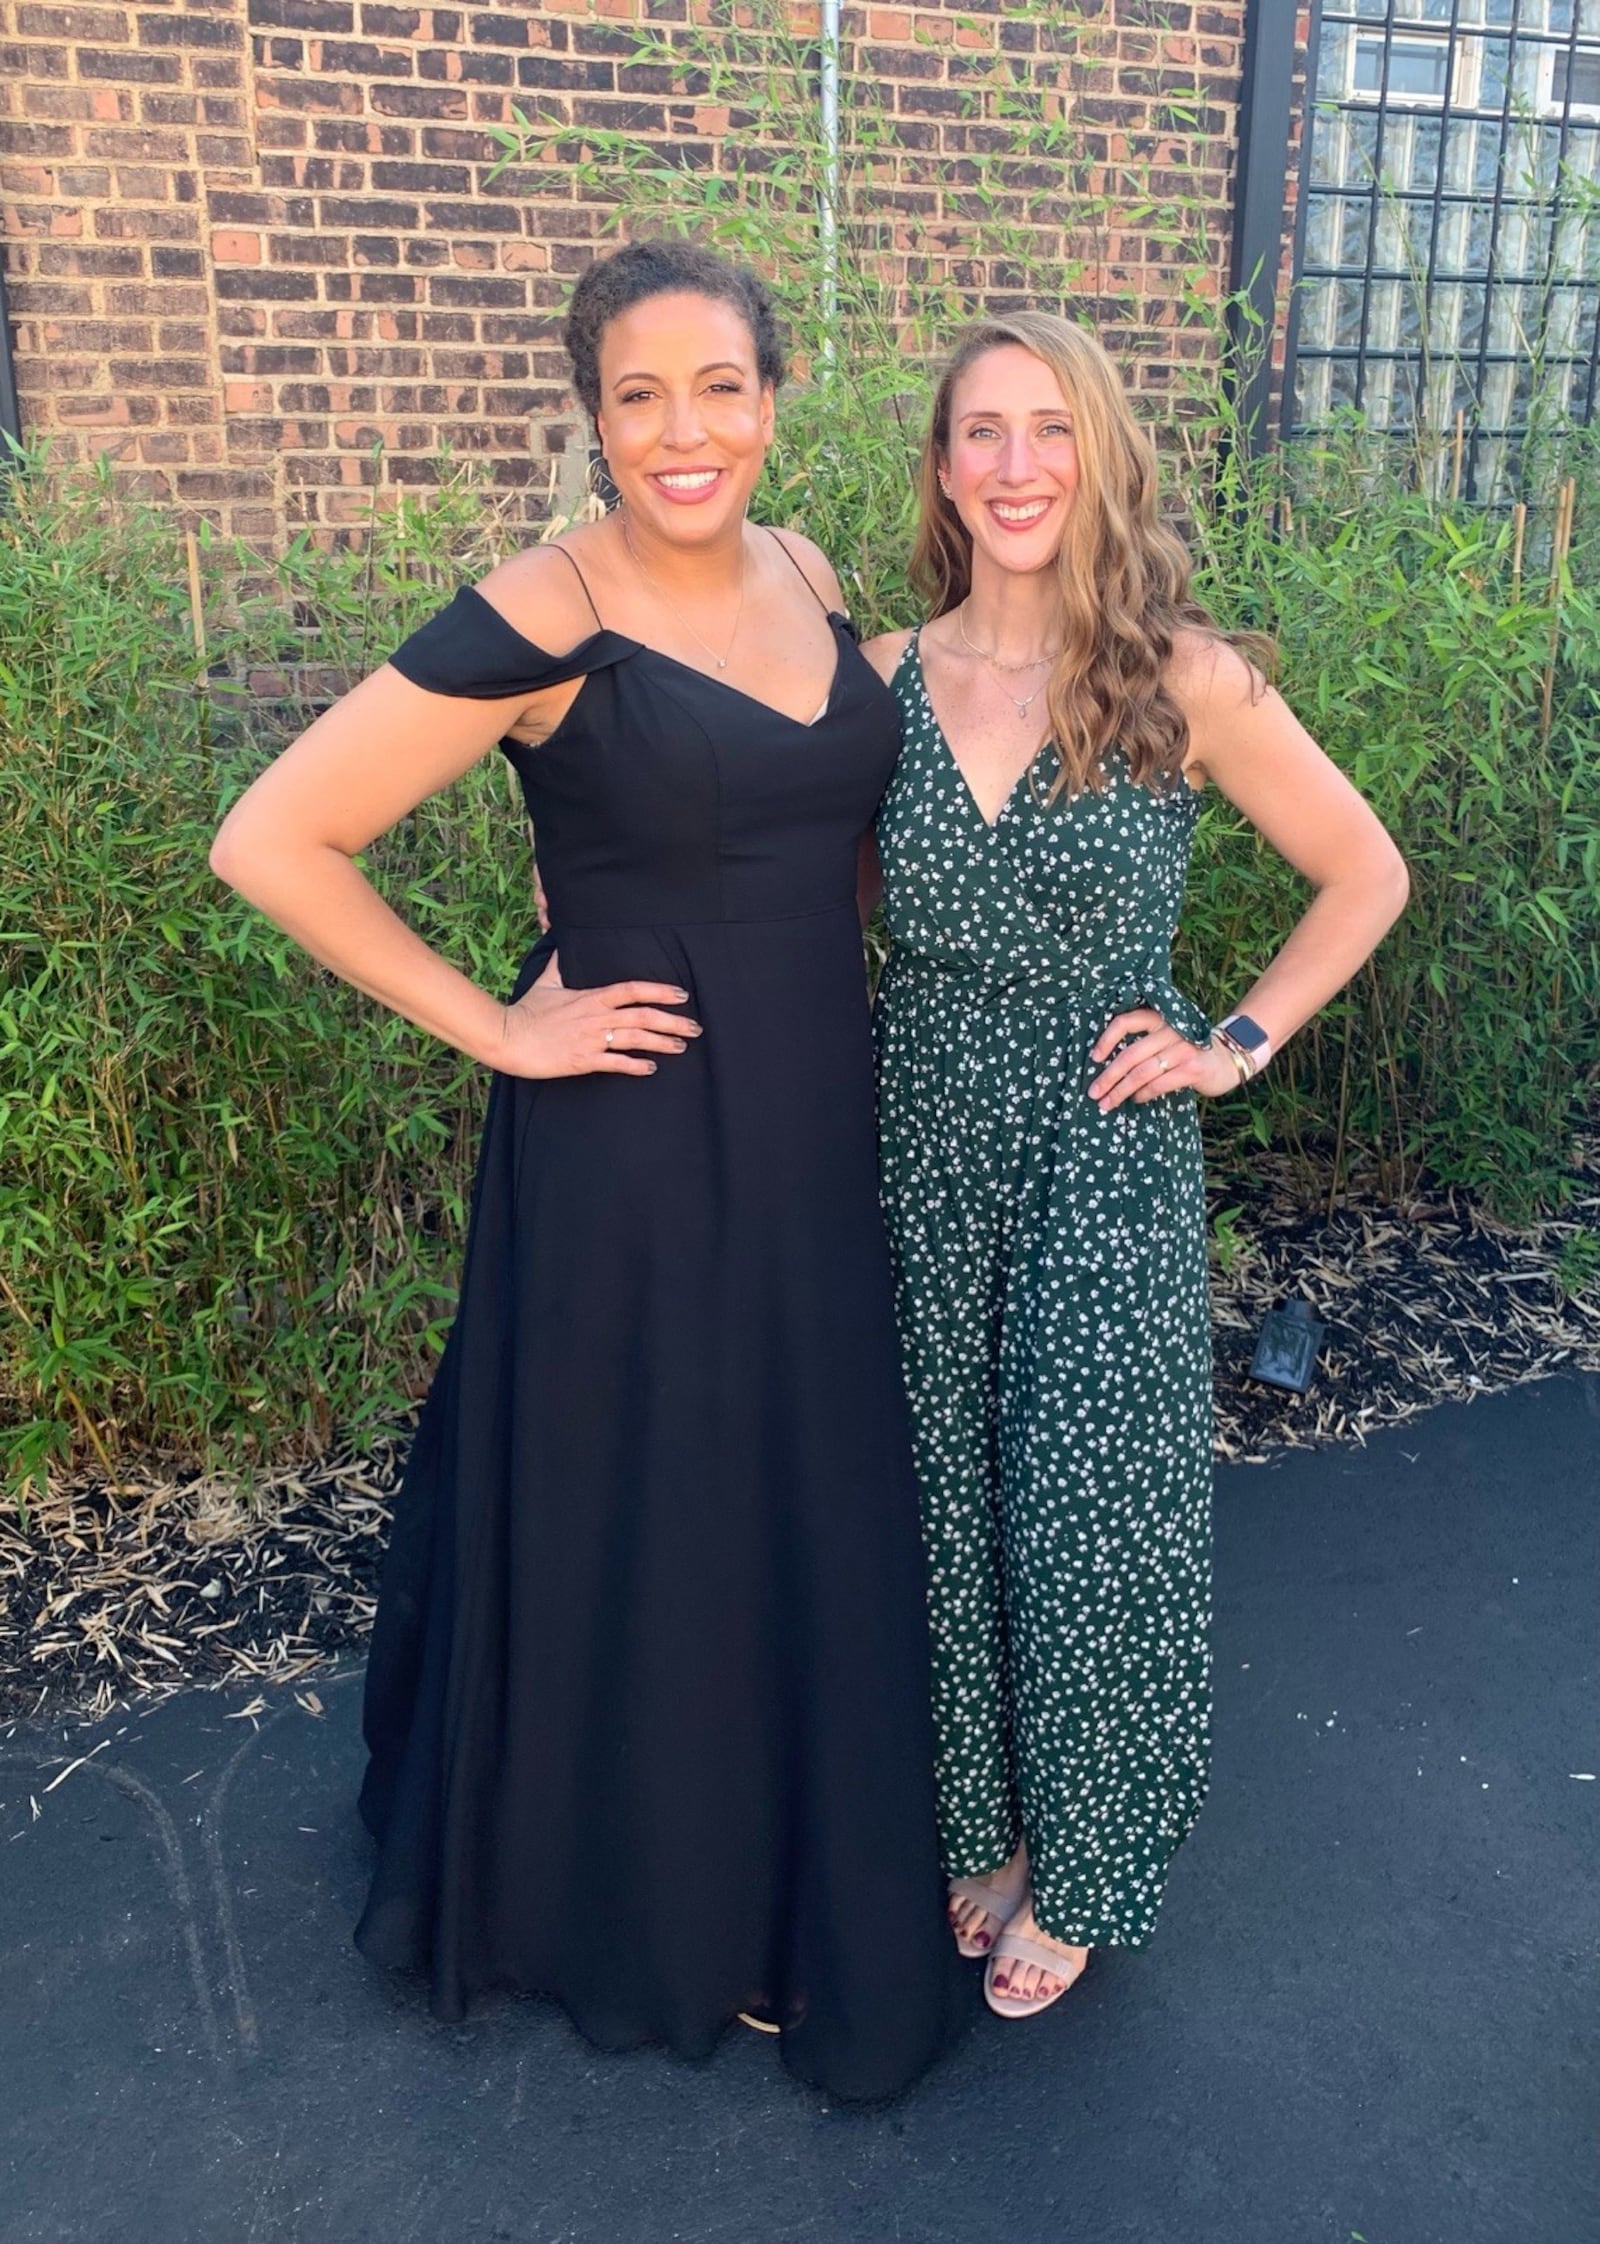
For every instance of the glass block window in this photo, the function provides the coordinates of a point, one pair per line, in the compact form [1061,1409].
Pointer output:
[1449,258]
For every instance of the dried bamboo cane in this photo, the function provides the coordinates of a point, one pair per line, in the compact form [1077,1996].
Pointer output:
[1519,517]
[1459,451]
[197,613]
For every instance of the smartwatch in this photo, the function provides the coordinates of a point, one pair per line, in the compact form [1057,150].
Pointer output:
[1244,1035]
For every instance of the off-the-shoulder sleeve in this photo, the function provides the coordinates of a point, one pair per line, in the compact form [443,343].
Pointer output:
[470,649]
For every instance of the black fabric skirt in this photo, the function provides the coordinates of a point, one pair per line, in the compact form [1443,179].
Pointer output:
[648,1699]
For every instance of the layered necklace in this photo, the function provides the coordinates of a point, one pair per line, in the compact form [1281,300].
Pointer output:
[721,660]
[999,666]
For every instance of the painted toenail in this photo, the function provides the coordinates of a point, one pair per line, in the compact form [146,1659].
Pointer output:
[983,1940]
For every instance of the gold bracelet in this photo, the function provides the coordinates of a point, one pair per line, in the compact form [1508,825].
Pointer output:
[1241,1059]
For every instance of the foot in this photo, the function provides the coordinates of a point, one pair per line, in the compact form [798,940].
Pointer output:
[981,1906]
[1020,1984]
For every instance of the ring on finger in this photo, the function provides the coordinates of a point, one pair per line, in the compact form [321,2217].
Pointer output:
[1162,1062]
[610,1033]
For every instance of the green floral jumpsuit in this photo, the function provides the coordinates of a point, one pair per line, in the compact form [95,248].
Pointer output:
[1051,1273]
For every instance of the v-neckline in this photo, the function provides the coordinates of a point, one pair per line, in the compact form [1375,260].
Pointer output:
[991,826]
[800,724]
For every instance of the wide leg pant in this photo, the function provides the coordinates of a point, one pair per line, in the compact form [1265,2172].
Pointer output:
[1052,1296]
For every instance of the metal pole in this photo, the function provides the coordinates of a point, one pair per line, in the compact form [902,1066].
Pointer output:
[10,413]
[1302,205]
[828,215]
[1264,115]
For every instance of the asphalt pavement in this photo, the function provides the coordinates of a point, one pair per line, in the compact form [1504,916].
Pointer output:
[1370,2011]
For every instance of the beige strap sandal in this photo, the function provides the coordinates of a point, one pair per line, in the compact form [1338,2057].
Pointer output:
[997,1901]
[1016,1947]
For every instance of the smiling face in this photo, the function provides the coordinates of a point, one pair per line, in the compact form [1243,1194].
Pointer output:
[1012,468]
[685,419]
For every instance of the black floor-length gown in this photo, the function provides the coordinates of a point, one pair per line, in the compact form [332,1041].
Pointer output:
[648,1699]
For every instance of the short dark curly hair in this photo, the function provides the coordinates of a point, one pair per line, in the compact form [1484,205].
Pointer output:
[630,276]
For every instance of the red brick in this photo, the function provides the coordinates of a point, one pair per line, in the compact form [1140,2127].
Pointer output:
[186,27]
[352,249]
[70,24]
[304,15]
[40,140]
[126,65]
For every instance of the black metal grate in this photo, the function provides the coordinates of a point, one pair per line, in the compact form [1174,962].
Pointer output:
[1449,246]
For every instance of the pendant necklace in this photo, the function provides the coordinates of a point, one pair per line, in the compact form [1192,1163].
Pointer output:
[1022,707]
[672,608]
[998,665]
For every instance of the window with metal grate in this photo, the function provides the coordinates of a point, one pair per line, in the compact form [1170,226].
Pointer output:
[1449,253]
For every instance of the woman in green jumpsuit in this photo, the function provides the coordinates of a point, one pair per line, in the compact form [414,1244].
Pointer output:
[1060,712]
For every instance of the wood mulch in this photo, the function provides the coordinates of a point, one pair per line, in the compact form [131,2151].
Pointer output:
[161,1582]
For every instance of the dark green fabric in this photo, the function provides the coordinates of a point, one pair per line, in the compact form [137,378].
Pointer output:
[1051,1275]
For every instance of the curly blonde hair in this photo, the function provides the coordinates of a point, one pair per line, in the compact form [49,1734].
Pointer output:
[1124,576]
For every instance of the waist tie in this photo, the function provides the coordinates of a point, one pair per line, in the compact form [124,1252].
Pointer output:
[1114,986]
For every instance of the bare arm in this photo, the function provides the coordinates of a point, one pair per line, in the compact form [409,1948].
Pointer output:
[1266,763]
[289,843]
[1245,738]
[884,652]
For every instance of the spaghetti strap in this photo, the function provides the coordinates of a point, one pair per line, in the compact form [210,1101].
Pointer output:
[799,572]
[583,580]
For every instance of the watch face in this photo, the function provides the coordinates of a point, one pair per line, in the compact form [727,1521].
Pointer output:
[1246,1032]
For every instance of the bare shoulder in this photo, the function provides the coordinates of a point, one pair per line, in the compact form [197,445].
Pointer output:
[541,592]
[1207,676]
[814,566]
[886,652]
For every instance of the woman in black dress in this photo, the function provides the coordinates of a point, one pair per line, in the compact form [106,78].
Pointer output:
[647,1704]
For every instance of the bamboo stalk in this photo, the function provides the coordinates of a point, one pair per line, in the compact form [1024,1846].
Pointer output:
[1459,451]
[1336,1171]
[91,1434]
[197,613]
[1519,517]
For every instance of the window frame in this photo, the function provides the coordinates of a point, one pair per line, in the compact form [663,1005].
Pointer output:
[1423,40]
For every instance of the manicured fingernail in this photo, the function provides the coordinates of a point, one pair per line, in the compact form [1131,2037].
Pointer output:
[983,1940]
[651,1067]
[682,996]
[678,1044]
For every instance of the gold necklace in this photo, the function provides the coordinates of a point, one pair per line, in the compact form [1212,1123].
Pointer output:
[998,662]
[998,666]
[672,608]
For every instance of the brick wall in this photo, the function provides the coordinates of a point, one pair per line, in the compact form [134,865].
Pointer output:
[249,241]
